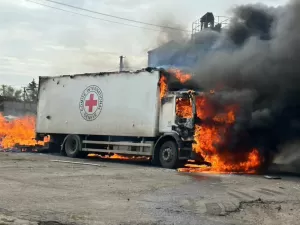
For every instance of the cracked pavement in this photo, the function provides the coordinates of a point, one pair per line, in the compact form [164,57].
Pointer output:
[46,190]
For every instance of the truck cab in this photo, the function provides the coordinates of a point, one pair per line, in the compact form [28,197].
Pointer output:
[177,122]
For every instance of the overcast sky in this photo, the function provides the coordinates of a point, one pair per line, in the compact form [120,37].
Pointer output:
[40,41]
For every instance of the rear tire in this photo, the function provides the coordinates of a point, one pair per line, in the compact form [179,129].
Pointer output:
[168,155]
[73,146]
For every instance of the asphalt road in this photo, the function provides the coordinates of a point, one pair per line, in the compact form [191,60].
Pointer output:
[41,189]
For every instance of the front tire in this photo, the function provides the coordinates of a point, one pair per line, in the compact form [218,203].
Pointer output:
[168,155]
[73,146]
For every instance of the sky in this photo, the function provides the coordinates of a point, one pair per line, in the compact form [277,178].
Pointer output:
[40,41]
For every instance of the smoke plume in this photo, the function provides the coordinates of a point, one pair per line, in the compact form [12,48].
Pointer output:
[166,34]
[259,68]
[253,64]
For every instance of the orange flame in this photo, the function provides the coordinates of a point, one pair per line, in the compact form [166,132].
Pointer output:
[208,138]
[184,108]
[163,86]
[182,77]
[121,157]
[20,131]
[212,134]
[228,117]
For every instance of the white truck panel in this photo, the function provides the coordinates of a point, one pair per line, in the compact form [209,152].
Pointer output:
[121,104]
[167,116]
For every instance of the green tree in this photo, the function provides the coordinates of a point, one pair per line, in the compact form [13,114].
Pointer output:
[10,92]
[18,94]
[3,90]
[32,91]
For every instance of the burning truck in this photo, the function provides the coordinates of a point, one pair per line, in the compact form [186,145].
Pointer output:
[152,113]
[117,113]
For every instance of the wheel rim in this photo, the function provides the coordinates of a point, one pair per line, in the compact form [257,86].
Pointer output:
[72,145]
[167,154]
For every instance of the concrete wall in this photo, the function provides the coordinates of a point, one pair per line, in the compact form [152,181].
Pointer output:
[14,108]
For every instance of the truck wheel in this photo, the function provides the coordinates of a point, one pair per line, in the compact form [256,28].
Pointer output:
[168,155]
[73,146]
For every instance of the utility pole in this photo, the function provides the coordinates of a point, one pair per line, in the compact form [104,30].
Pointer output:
[24,99]
[24,94]
[121,63]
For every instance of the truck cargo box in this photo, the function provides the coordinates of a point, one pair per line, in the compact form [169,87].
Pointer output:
[116,104]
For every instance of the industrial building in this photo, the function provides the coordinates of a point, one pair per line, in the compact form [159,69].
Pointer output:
[181,55]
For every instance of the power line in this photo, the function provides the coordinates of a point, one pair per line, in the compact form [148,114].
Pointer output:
[117,17]
[91,16]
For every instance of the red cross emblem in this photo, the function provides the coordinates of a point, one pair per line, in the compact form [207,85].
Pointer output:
[91,103]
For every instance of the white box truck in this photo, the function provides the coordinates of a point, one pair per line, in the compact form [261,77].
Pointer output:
[119,113]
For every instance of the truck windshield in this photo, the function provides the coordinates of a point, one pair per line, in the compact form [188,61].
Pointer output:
[184,107]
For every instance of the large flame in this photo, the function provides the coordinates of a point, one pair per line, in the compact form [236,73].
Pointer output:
[184,108]
[18,132]
[211,136]
[213,133]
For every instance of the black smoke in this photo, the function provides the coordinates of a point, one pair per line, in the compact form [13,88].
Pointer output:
[261,73]
[247,22]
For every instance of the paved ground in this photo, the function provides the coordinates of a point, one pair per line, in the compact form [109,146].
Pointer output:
[36,189]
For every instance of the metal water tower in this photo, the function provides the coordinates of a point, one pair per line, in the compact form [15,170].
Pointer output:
[209,21]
